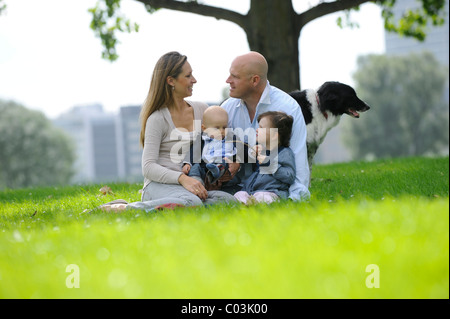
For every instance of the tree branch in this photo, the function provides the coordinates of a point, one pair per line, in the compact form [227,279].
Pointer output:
[201,9]
[325,8]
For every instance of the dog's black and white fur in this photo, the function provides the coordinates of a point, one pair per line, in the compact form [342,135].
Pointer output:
[322,110]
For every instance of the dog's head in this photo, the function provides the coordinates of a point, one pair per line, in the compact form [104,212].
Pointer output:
[339,98]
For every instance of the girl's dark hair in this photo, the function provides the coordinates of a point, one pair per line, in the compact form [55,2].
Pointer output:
[283,123]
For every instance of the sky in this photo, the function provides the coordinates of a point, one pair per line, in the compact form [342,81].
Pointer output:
[50,60]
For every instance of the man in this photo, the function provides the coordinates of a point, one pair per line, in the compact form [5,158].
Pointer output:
[250,95]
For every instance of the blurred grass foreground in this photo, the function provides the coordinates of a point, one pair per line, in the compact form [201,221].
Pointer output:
[370,230]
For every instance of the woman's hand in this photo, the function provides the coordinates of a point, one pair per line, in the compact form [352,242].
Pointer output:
[193,185]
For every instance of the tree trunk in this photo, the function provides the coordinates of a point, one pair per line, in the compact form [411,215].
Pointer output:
[272,31]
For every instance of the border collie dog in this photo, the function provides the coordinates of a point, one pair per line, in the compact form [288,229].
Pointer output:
[322,110]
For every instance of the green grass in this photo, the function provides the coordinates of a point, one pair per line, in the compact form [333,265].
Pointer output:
[391,213]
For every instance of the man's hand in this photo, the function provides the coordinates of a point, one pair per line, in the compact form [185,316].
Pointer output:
[233,168]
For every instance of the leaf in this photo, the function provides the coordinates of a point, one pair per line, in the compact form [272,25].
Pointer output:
[105,190]
[106,21]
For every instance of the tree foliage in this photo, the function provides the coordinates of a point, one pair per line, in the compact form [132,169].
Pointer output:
[413,22]
[2,6]
[33,151]
[106,21]
[408,115]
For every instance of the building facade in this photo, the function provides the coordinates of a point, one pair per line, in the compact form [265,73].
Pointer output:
[107,145]
[129,130]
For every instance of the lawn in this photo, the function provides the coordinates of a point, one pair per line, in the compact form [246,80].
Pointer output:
[370,230]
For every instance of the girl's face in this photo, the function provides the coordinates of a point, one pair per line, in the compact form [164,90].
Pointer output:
[184,82]
[263,131]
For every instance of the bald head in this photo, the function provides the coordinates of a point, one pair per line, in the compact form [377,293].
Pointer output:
[214,112]
[248,77]
[215,121]
[252,63]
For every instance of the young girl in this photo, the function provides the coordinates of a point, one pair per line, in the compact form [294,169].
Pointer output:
[275,161]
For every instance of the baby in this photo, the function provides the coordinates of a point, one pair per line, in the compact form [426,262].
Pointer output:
[275,161]
[217,147]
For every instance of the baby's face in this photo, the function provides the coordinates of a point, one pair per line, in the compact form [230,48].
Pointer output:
[215,130]
[215,124]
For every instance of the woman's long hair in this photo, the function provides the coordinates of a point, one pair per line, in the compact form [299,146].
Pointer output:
[160,92]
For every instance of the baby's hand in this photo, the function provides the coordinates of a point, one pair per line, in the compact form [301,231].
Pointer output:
[255,150]
[261,158]
[186,168]
[259,153]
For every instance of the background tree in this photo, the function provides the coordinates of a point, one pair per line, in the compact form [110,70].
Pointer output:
[32,150]
[408,114]
[272,27]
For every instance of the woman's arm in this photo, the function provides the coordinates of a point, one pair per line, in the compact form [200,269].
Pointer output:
[154,135]
[151,169]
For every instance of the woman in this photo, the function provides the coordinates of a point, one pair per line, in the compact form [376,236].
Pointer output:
[169,125]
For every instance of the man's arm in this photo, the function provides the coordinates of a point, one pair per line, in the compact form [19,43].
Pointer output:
[299,190]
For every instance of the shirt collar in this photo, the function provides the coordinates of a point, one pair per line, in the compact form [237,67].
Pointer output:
[206,137]
[265,96]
